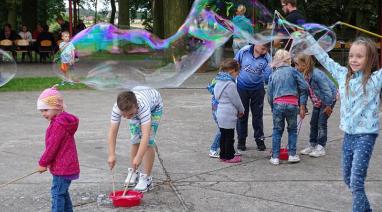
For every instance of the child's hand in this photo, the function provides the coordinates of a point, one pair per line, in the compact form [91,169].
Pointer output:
[240,115]
[136,162]
[328,111]
[302,111]
[42,169]
[111,161]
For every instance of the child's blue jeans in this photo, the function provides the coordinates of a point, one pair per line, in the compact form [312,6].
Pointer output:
[60,195]
[280,113]
[318,127]
[357,151]
[216,142]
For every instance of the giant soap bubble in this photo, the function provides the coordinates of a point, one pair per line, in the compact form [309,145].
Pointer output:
[8,67]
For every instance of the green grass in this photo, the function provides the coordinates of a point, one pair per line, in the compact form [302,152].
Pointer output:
[38,84]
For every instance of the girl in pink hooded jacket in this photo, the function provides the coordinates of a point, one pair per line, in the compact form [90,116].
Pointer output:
[60,154]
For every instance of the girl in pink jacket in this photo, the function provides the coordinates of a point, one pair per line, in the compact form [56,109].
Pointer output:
[60,154]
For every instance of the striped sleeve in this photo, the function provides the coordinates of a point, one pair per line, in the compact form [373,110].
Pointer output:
[144,112]
[116,114]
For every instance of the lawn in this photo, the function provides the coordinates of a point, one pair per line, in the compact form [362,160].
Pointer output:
[38,84]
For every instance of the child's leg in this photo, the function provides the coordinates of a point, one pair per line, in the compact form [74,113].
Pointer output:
[314,126]
[322,128]
[278,129]
[68,202]
[216,143]
[347,157]
[230,139]
[363,148]
[59,190]
[148,159]
[223,151]
[291,118]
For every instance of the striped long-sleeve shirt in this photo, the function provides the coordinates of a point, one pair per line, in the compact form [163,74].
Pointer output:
[148,100]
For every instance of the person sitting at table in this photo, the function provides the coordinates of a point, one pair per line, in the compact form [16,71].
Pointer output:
[25,34]
[8,33]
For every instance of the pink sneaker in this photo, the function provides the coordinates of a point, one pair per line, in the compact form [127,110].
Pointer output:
[236,159]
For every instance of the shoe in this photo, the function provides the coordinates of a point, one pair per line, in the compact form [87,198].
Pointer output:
[260,144]
[274,161]
[293,159]
[307,150]
[145,183]
[133,179]
[236,159]
[237,153]
[241,145]
[318,151]
[214,154]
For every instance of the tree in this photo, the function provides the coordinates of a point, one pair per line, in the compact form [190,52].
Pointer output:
[174,15]
[158,18]
[124,14]
[113,10]
[29,13]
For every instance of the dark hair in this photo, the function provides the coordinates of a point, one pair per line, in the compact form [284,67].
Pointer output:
[291,2]
[372,62]
[126,100]
[229,63]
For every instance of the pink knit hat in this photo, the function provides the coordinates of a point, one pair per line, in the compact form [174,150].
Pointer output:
[50,98]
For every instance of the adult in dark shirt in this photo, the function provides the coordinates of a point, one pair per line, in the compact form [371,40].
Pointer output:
[45,35]
[80,26]
[294,16]
[8,33]
[63,24]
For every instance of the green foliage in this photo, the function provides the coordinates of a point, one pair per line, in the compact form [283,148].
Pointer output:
[37,83]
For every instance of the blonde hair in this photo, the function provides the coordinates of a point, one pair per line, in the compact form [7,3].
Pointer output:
[241,9]
[282,57]
[308,61]
[372,62]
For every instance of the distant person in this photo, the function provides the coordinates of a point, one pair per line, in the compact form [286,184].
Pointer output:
[64,25]
[45,35]
[25,34]
[294,16]
[37,31]
[80,26]
[244,24]
[66,54]
[8,33]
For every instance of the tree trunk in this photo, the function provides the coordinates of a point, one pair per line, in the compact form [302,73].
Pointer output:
[29,13]
[12,13]
[174,15]
[123,14]
[95,11]
[158,18]
[113,9]
[75,19]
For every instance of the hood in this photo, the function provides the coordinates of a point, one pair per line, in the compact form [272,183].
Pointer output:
[68,121]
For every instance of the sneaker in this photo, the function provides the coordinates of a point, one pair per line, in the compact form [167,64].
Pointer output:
[318,151]
[214,154]
[307,150]
[145,183]
[293,159]
[241,145]
[260,144]
[236,159]
[133,179]
[274,161]
[237,153]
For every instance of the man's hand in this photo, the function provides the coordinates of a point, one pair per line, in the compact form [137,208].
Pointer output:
[328,111]
[111,161]
[41,169]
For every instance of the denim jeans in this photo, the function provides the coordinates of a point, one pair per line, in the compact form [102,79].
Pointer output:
[280,113]
[254,100]
[216,143]
[357,151]
[318,127]
[61,201]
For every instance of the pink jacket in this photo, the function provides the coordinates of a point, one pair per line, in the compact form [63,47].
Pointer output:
[60,153]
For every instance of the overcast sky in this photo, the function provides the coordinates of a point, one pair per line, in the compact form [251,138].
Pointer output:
[100,5]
